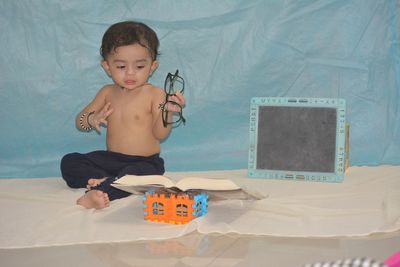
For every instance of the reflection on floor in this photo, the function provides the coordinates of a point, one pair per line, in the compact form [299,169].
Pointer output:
[207,250]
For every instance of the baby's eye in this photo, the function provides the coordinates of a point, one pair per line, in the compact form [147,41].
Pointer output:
[120,67]
[140,67]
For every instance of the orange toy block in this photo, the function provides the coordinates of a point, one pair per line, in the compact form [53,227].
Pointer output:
[174,208]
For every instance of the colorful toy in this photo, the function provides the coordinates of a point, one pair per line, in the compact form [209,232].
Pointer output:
[394,260]
[175,208]
[357,262]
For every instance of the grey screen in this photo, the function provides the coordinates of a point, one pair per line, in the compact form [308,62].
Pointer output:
[296,138]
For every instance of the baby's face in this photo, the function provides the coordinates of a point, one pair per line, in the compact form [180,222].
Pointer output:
[130,66]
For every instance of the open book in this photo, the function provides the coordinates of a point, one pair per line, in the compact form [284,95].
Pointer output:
[217,189]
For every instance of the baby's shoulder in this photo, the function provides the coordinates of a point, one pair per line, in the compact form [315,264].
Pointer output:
[106,89]
[153,90]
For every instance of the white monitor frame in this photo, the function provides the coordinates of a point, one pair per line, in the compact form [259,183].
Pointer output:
[334,175]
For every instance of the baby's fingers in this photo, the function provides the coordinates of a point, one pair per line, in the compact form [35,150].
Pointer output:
[108,112]
[98,128]
[104,122]
[171,106]
[106,106]
[178,98]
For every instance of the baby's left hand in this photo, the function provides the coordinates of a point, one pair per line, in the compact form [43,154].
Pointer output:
[179,99]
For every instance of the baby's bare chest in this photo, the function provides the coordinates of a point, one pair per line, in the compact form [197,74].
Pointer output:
[130,110]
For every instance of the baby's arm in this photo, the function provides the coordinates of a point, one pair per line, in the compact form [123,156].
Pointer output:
[95,113]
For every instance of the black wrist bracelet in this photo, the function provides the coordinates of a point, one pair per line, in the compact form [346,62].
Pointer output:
[87,119]
[83,127]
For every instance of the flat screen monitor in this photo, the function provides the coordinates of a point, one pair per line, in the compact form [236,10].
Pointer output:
[297,138]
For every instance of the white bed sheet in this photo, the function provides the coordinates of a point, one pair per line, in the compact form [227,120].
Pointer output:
[42,212]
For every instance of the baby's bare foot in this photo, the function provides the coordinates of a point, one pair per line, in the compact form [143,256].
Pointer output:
[94,199]
[92,182]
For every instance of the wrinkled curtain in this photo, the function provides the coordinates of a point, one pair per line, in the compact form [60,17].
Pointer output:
[227,51]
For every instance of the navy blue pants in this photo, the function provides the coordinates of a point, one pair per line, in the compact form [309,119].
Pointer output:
[77,169]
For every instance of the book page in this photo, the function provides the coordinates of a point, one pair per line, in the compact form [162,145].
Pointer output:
[145,180]
[206,184]
[217,189]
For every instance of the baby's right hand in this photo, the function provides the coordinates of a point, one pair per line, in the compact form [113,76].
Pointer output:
[100,118]
[177,98]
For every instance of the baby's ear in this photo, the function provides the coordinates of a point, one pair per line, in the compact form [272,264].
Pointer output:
[106,67]
[154,66]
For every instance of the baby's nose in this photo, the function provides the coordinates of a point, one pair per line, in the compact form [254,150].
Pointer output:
[131,70]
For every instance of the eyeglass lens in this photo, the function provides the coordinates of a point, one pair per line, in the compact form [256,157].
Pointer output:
[174,84]
[176,116]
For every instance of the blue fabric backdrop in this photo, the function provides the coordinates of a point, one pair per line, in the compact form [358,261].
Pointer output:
[228,52]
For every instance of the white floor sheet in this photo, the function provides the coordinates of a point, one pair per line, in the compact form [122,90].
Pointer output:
[42,212]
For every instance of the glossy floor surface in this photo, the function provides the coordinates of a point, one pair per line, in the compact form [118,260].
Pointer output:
[196,249]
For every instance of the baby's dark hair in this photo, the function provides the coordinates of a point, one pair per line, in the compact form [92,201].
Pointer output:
[127,33]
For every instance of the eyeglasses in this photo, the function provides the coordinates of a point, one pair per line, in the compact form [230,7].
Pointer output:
[173,84]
